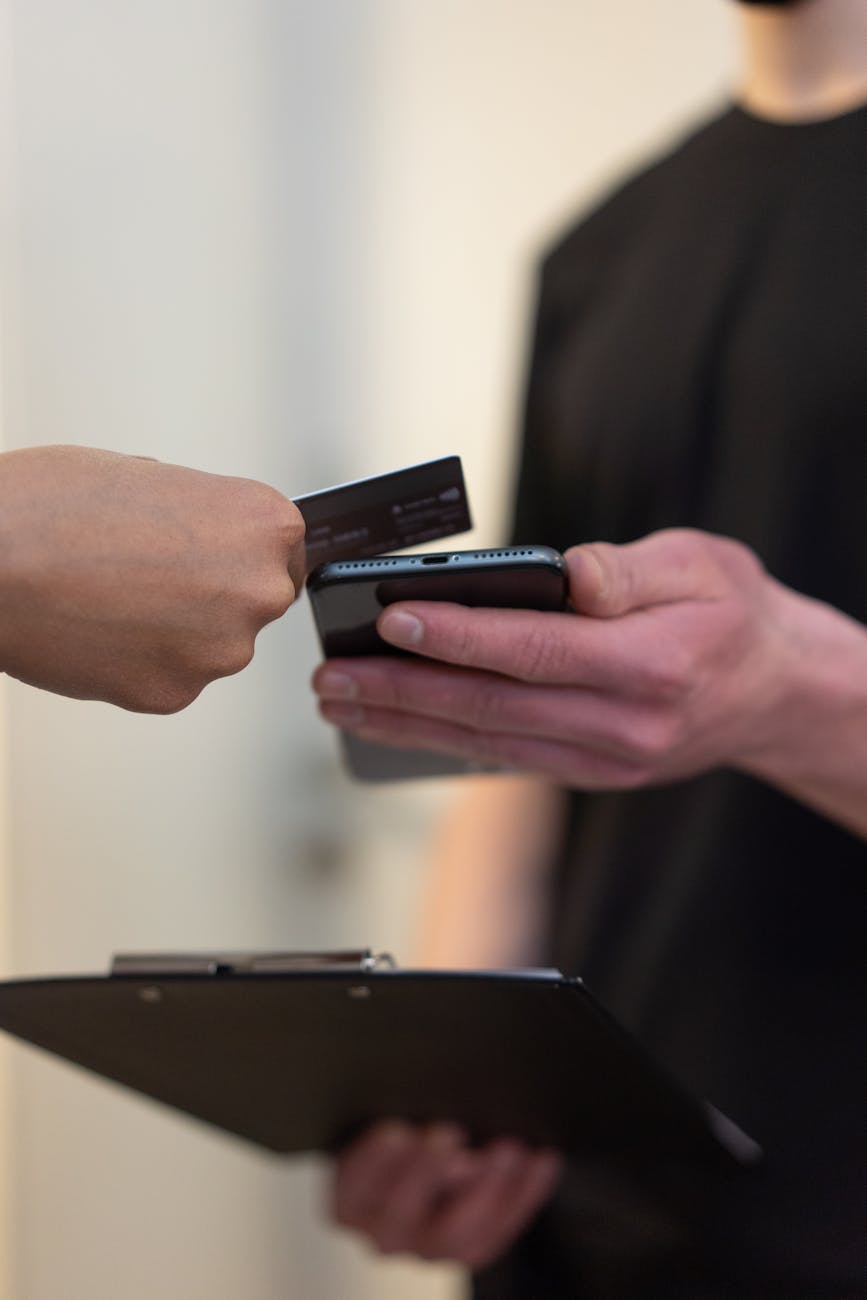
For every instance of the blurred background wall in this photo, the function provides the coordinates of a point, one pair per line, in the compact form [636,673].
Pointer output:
[293,240]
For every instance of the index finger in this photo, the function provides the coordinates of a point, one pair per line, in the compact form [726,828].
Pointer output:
[549,649]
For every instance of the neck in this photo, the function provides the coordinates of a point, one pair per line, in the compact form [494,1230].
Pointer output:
[804,62]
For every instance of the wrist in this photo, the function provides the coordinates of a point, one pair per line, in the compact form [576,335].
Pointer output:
[813,743]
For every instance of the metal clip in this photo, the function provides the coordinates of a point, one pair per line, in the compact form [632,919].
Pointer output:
[151,965]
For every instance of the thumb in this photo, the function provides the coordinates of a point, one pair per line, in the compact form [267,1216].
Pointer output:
[607,581]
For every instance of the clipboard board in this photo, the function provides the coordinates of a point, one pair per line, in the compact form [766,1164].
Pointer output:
[299,1052]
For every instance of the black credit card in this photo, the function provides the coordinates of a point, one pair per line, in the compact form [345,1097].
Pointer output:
[389,512]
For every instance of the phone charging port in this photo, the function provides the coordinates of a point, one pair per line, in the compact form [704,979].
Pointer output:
[435,559]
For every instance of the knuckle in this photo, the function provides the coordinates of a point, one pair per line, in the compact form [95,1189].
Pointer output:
[651,738]
[464,640]
[271,506]
[734,556]
[286,519]
[241,656]
[273,600]
[647,740]
[539,656]
[734,563]
[166,698]
[277,516]
[604,585]
[667,671]
[226,657]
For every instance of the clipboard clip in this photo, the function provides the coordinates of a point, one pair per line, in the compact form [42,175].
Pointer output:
[160,964]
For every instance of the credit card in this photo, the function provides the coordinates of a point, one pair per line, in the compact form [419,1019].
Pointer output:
[386,513]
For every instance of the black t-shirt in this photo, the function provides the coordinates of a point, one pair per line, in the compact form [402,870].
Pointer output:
[700,360]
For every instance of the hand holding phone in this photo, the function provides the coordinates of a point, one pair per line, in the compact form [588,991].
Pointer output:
[347,598]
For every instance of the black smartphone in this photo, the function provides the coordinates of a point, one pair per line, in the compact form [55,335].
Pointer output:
[348,596]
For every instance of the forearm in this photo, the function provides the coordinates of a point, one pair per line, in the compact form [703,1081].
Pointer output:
[485,905]
[817,748]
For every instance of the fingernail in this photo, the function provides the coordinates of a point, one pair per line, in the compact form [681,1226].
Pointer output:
[401,629]
[333,685]
[342,715]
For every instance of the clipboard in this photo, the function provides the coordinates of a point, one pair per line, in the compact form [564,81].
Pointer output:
[298,1052]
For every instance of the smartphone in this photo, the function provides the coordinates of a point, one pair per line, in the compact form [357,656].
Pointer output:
[348,596]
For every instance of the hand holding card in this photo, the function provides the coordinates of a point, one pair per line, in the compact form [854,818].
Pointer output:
[135,582]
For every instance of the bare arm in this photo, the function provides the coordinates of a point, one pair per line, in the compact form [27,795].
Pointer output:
[485,903]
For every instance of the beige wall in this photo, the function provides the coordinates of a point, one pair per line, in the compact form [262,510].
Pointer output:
[290,239]
[8,1155]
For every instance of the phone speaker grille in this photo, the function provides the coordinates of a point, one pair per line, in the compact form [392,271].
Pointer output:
[352,566]
[498,555]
